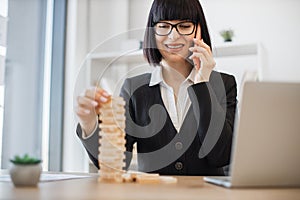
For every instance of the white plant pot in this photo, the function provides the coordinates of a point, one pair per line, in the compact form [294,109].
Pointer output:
[25,175]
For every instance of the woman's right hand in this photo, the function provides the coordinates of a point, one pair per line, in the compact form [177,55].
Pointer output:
[88,104]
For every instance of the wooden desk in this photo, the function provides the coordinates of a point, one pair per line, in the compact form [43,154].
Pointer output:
[186,188]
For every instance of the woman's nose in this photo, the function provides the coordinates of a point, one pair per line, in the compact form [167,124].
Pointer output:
[174,34]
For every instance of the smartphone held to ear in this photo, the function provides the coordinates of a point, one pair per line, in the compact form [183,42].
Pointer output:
[196,60]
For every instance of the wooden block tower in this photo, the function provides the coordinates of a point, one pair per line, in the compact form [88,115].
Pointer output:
[112,140]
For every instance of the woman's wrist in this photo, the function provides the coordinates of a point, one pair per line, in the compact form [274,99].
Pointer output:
[202,76]
[88,128]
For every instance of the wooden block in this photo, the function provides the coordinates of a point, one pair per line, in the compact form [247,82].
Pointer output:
[148,179]
[168,179]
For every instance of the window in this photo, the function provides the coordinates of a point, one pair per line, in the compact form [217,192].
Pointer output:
[34,81]
[3,28]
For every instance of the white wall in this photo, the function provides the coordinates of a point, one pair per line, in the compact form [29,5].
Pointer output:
[274,23]
[138,17]
[106,20]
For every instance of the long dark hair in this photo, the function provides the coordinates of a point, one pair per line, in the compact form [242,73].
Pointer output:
[172,10]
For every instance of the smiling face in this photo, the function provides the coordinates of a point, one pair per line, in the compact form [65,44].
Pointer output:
[172,11]
[174,47]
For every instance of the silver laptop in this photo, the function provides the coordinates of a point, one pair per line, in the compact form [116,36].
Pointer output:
[266,145]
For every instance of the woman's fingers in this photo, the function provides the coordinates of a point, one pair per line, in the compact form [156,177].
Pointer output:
[196,62]
[90,101]
[203,52]
[101,93]
[82,112]
[88,104]
[202,44]
[206,61]
[199,55]
[86,101]
[97,94]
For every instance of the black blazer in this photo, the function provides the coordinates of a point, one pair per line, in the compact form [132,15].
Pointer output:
[203,144]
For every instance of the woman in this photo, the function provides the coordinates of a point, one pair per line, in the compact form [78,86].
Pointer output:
[181,115]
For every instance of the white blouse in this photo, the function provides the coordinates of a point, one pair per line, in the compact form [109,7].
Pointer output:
[177,110]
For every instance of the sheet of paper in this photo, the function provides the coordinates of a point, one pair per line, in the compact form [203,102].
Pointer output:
[49,177]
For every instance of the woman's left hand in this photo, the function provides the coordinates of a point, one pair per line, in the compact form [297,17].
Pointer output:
[203,60]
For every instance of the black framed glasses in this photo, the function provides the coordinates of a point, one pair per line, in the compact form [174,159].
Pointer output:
[183,28]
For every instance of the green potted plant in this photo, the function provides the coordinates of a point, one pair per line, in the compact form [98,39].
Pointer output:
[227,35]
[25,171]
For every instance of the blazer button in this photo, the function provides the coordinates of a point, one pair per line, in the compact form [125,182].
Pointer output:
[178,165]
[178,145]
